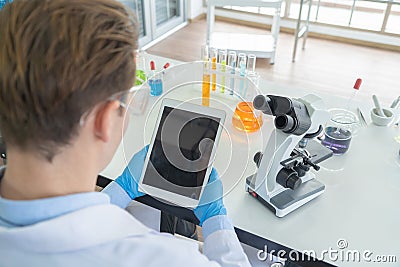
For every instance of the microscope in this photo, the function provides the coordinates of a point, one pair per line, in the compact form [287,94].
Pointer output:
[283,181]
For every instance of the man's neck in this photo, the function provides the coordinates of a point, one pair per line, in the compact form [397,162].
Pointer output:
[29,176]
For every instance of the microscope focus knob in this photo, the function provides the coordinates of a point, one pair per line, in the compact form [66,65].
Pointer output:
[288,178]
[257,158]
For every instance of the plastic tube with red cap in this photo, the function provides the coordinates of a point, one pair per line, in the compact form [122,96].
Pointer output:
[357,84]
[356,87]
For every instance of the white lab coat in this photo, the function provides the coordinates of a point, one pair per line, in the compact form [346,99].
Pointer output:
[106,235]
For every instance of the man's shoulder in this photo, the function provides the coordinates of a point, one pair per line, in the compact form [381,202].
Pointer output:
[157,249]
[104,235]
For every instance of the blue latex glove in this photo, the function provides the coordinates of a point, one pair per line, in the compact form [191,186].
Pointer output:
[129,179]
[211,203]
[3,3]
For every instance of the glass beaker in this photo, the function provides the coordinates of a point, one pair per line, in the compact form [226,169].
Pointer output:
[246,118]
[156,84]
[339,130]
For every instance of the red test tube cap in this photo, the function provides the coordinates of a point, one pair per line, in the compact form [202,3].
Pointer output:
[152,65]
[357,84]
[166,65]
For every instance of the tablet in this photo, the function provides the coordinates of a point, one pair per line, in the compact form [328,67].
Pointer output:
[181,152]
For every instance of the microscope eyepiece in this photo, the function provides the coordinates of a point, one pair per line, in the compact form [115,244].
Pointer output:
[291,116]
[285,123]
[261,103]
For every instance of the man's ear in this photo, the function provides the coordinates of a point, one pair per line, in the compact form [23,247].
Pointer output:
[104,123]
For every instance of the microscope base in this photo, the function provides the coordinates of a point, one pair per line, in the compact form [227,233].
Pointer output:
[288,200]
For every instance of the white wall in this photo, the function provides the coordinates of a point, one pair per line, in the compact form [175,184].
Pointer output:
[194,8]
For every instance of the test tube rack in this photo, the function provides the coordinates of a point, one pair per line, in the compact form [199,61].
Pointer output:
[232,78]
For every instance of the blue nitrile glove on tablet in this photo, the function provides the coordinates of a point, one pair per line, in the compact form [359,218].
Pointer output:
[129,179]
[211,203]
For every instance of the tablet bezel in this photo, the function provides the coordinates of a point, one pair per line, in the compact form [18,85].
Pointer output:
[168,196]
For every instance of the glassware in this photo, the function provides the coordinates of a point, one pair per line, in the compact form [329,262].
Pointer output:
[246,118]
[242,65]
[213,56]
[156,84]
[339,131]
[205,91]
[242,62]
[155,80]
[255,78]
[251,64]
[141,70]
[222,57]
[232,68]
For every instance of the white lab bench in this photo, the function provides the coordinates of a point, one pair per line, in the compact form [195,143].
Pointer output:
[360,204]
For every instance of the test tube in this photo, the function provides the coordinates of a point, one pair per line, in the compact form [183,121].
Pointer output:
[251,64]
[205,54]
[232,66]
[222,55]
[205,90]
[213,56]
[251,69]
[141,70]
[242,64]
[242,60]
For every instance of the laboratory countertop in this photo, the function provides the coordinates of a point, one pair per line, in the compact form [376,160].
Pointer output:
[358,212]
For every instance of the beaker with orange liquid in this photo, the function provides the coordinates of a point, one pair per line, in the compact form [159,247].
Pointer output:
[246,118]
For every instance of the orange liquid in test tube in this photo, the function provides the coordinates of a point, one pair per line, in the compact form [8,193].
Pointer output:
[205,91]
[214,76]
[246,118]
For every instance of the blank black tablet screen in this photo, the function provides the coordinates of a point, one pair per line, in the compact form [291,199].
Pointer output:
[181,152]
